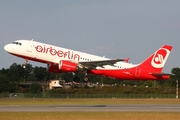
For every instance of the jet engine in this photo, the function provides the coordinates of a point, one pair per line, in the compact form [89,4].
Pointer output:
[67,66]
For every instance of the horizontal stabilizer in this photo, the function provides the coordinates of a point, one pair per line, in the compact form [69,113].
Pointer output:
[161,74]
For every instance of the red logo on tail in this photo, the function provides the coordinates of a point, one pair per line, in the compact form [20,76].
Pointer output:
[160,58]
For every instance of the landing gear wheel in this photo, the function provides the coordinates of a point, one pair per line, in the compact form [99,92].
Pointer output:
[76,79]
[86,79]
[24,66]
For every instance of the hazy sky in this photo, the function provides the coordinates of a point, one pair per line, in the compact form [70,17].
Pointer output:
[111,28]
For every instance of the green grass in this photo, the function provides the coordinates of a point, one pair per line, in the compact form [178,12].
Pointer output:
[88,116]
[45,101]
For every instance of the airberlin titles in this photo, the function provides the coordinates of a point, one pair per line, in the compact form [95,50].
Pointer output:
[60,53]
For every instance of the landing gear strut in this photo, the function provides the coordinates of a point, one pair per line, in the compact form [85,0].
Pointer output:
[85,77]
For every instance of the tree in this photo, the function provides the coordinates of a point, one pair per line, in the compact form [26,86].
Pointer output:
[4,84]
[40,73]
[4,71]
[35,88]
[14,73]
[27,71]
[176,76]
[68,77]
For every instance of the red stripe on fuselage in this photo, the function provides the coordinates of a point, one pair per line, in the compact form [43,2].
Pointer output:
[129,74]
[32,58]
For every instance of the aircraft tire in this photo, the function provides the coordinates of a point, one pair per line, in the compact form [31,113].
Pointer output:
[76,79]
[86,79]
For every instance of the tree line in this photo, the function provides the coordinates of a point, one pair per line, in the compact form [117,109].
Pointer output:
[12,76]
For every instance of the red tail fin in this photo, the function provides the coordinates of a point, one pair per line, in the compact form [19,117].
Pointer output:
[157,60]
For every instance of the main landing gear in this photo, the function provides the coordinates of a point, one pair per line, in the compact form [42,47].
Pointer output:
[77,79]
[86,79]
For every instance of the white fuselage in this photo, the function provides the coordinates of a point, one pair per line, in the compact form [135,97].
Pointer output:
[60,60]
[47,53]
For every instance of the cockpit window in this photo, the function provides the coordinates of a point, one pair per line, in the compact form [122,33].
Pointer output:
[17,43]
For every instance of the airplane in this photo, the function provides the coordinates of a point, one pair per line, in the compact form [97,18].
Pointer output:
[60,60]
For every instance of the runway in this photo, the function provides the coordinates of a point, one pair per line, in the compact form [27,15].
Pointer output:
[91,108]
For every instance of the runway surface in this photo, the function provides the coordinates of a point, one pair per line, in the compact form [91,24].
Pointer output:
[91,108]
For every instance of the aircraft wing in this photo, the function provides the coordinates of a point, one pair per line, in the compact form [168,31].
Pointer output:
[94,64]
[161,74]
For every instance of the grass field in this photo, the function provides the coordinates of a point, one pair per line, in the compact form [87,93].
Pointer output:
[87,115]
[39,101]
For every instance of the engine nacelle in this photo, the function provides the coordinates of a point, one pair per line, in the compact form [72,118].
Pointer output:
[67,66]
[62,66]
[53,68]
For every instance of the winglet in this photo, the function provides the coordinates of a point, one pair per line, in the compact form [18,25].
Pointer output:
[127,59]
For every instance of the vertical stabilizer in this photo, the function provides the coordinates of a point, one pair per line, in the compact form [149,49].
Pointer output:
[157,60]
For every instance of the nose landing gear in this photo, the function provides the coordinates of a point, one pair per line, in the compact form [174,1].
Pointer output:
[25,63]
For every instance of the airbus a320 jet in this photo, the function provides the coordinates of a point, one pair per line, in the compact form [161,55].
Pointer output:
[59,59]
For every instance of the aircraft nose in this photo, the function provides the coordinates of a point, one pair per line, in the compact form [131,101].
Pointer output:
[6,48]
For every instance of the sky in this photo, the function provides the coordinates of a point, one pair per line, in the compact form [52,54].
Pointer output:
[111,28]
